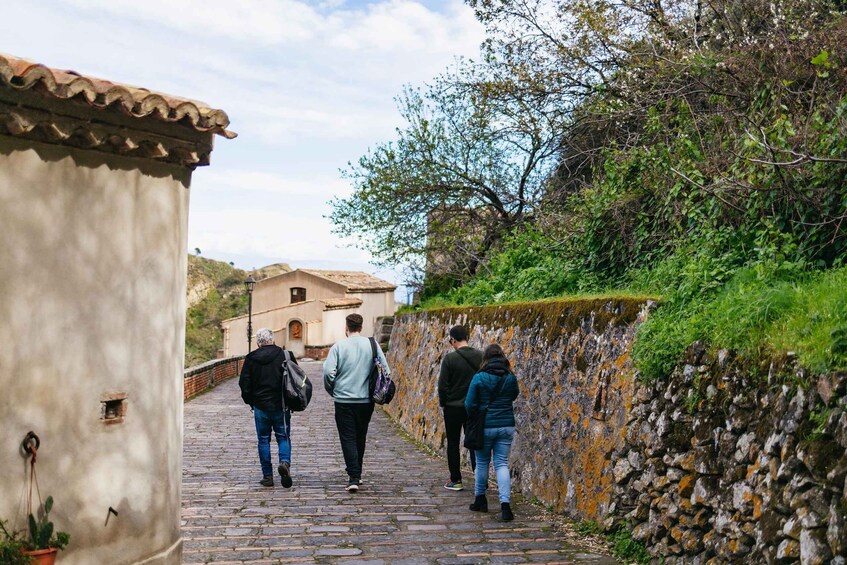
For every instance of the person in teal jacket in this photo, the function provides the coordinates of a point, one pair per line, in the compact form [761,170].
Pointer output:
[496,386]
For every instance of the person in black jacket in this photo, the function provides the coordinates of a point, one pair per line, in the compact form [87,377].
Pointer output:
[261,388]
[457,370]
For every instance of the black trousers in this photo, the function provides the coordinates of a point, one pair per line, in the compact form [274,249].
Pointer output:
[352,421]
[454,422]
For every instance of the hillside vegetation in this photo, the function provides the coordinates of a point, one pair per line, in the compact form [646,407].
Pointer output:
[692,151]
[215,293]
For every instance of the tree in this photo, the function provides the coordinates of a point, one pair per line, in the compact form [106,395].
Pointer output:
[469,165]
[718,110]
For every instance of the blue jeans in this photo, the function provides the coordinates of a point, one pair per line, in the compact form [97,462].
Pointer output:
[499,442]
[280,422]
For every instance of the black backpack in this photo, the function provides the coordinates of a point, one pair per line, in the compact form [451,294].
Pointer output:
[296,386]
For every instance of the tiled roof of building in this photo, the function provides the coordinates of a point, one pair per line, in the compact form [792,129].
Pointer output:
[103,94]
[337,303]
[45,123]
[353,280]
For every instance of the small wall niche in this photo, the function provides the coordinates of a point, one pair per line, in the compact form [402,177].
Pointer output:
[113,407]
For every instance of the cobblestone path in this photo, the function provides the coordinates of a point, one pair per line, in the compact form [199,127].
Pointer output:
[402,513]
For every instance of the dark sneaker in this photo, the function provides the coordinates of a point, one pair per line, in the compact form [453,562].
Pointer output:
[285,474]
[353,485]
[267,481]
[454,485]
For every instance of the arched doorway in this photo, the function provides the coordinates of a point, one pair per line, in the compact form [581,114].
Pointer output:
[295,338]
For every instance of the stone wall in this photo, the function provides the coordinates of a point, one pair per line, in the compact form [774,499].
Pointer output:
[721,466]
[572,362]
[201,378]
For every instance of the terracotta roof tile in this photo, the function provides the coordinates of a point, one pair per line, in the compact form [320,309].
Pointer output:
[353,280]
[22,74]
[335,303]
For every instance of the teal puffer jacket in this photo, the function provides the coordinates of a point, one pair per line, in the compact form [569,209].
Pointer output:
[500,412]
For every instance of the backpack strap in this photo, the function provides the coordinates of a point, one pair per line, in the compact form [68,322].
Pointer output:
[372,373]
[284,355]
[495,392]
[465,359]
[500,386]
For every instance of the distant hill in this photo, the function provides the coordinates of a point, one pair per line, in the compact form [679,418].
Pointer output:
[215,292]
[271,271]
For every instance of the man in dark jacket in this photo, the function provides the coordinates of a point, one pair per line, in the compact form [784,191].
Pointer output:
[457,370]
[261,388]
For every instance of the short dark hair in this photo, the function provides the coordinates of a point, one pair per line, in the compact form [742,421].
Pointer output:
[459,333]
[354,322]
[491,352]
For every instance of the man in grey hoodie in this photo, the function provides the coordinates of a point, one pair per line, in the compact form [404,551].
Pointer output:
[347,379]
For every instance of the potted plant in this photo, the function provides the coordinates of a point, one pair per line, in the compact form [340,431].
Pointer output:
[44,543]
[12,547]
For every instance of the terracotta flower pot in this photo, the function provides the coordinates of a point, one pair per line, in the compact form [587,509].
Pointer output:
[43,556]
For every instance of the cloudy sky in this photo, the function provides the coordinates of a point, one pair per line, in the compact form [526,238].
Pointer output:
[308,87]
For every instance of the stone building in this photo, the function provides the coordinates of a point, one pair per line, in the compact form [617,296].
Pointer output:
[94,192]
[306,309]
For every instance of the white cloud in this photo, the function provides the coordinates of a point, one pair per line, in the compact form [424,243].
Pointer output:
[255,21]
[307,87]
[319,188]
[404,26]
[280,69]
[273,233]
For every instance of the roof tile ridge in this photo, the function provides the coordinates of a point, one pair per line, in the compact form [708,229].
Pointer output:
[26,74]
[138,102]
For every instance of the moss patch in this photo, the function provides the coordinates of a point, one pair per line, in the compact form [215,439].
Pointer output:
[552,317]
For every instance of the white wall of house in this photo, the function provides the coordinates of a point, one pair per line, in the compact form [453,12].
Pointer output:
[277,320]
[314,332]
[272,309]
[92,303]
[374,305]
[276,291]
[334,324]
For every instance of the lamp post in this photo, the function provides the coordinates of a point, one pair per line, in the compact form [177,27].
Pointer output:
[249,284]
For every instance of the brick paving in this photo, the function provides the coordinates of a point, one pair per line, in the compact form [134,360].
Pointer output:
[401,515]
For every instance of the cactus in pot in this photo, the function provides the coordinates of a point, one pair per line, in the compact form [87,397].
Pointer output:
[44,542]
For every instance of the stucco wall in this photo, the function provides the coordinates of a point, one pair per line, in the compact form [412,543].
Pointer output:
[277,320]
[334,325]
[276,291]
[92,302]
[374,305]
[562,352]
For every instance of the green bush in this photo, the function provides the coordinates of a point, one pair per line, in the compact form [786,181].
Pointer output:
[815,324]
[12,545]
[752,292]
[627,549]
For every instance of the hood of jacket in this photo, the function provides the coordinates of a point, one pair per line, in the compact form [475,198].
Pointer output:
[264,354]
[496,366]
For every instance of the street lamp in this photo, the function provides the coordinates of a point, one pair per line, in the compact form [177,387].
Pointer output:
[249,284]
